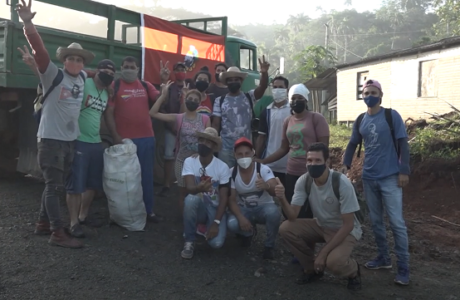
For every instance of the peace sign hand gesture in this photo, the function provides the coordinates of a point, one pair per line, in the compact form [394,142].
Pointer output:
[26,56]
[24,11]
[164,71]
[185,89]
[264,65]
[165,88]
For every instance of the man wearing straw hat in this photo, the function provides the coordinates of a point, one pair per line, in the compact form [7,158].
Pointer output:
[58,128]
[206,178]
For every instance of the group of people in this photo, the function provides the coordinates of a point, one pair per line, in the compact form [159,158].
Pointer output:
[227,182]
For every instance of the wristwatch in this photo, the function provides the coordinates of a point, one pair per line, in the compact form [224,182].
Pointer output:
[217,222]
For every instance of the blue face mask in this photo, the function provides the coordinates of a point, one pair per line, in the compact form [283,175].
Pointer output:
[371,101]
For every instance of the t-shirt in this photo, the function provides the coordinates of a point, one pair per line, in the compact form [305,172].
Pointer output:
[248,193]
[60,111]
[217,170]
[300,133]
[274,128]
[380,159]
[216,91]
[188,141]
[236,116]
[205,107]
[131,105]
[92,107]
[326,208]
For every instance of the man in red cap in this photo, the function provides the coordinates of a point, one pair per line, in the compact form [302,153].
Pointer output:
[385,172]
[251,200]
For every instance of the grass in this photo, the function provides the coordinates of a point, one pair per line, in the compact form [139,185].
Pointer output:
[340,135]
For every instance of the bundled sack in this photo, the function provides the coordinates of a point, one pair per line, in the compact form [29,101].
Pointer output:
[123,186]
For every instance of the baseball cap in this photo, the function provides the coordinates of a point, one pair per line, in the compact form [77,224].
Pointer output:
[243,141]
[372,82]
[179,64]
[106,64]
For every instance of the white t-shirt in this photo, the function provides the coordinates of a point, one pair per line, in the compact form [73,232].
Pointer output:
[326,208]
[217,170]
[249,193]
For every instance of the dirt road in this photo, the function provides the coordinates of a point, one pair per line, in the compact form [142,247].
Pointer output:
[116,264]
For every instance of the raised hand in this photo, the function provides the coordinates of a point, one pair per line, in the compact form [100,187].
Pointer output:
[260,183]
[24,11]
[185,89]
[279,189]
[26,56]
[164,71]
[165,88]
[263,65]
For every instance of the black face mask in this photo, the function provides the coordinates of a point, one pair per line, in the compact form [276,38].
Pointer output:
[204,150]
[298,106]
[316,171]
[201,86]
[234,87]
[105,78]
[217,76]
[191,105]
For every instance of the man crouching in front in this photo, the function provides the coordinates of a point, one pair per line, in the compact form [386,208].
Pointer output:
[333,223]
[206,178]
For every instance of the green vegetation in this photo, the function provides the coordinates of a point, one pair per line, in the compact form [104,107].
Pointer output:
[340,135]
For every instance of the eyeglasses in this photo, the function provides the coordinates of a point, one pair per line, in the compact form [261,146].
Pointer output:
[203,172]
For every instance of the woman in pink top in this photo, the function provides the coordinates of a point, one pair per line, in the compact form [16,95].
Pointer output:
[300,130]
[186,124]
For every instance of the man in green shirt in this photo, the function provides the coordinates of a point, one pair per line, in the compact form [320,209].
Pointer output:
[88,164]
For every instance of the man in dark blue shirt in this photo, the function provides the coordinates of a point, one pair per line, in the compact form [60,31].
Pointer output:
[385,172]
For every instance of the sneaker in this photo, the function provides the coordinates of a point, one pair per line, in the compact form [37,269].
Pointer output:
[62,239]
[295,261]
[378,263]
[402,278]
[187,252]
[354,284]
[152,218]
[77,231]
[201,229]
[42,228]
[268,254]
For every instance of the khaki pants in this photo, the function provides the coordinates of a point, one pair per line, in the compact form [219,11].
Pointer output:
[303,232]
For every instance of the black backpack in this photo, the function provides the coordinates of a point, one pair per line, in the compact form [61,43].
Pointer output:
[40,99]
[389,119]
[116,88]
[255,121]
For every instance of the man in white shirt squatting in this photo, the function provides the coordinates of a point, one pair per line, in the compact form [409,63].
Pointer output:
[251,200]
[206,179]
[334,221]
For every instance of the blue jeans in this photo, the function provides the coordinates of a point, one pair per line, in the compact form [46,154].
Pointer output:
[228,157]
[386,194]
[267,214]
[196,211]
[146,154]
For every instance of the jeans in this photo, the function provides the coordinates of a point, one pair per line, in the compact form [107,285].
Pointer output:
[386,194]
[146,154]
[267,214]
[196,211]
[55,160]
[228,157]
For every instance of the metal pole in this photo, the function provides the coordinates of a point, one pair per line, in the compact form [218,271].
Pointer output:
[326,42]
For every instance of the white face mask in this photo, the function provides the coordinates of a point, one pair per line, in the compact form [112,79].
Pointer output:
[244,162]
[279,95]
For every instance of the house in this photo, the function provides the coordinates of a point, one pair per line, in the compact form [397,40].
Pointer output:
[323,94]
[414,81]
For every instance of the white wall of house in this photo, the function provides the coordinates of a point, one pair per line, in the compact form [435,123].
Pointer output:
[412,84]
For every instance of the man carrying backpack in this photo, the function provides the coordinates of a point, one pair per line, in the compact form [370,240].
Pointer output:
[58,125]
[334,221]
[385,172]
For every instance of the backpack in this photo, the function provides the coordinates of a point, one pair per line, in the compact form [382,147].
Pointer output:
[360,215]
[116,88]
[389,119]
[40,99]
[235,172]
[254,122]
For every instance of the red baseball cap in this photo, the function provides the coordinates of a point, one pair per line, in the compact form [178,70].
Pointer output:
[243,141]
[372,82]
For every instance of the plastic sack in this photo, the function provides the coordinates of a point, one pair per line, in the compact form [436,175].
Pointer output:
[123,186]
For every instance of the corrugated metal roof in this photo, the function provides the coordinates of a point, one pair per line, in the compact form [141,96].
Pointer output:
[324,81]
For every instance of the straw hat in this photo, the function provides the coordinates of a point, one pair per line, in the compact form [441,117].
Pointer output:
[74,49]
[232,72]
[211,134]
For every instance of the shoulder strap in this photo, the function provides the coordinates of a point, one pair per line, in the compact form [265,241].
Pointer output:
[258,166]
[56,81]
[82,75]
[358,124]
[146,87]
[248,96]
[116,87]
[389,119]
[336,177]
[309,182]
[221,101]
[234,172]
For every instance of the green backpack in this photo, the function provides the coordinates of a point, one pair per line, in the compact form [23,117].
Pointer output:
[360,215]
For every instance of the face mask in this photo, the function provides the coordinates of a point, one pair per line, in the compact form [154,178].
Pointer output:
[234,87]
[180,76]
[191,105]
[316,171]
[298,106]
[105,78]
[129,75]
[244,162]
[73,68]
[371,101]
[217,76]
[279,95]
[201,86]
[204,150]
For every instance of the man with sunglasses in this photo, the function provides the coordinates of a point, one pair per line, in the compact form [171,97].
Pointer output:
[385,172]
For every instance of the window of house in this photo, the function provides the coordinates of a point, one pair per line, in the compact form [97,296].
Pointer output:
[246,58]
[362,77]
[427,83]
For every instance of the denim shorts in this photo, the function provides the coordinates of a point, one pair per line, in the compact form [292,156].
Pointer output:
[87,168]
[170,145]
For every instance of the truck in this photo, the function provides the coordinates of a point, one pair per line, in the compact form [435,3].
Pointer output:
[18,84]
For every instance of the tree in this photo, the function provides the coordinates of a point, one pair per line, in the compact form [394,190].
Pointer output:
[448,12]
[314,60]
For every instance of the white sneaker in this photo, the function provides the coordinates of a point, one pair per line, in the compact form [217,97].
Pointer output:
[187,252]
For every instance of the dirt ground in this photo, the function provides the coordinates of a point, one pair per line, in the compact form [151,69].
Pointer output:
[116,264]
